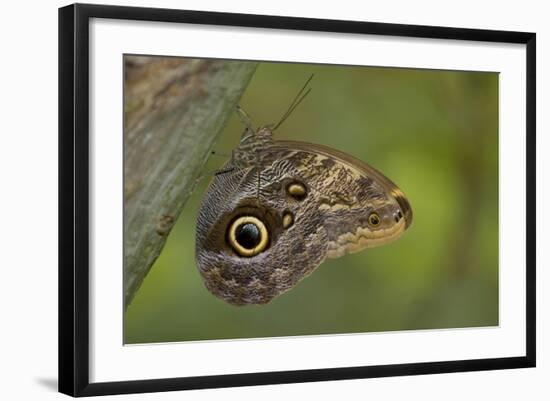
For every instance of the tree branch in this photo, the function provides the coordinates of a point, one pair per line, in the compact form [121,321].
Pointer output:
[174,109]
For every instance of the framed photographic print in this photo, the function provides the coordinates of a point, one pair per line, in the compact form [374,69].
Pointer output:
[250,199]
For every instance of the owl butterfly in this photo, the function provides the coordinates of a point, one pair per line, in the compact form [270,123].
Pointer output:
[278,209]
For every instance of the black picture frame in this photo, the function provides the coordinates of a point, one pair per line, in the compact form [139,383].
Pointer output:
[74,198]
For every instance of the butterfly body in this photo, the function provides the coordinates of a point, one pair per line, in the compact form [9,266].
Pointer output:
[278,209]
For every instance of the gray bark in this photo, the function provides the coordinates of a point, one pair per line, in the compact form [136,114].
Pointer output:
[174,109]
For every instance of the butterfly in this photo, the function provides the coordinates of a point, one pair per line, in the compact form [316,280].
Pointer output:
[277,209]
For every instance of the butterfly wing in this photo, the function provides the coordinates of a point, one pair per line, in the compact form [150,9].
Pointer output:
[295,245]
[349,192]
[261,229]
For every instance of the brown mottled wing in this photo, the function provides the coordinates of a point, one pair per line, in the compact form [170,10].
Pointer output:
[351,163]
[293,253]
[347,190]
[330,220]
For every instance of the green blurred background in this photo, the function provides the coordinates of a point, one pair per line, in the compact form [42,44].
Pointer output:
[435,134]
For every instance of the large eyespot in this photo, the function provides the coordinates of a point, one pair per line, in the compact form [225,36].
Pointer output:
[248,236]
[374,219]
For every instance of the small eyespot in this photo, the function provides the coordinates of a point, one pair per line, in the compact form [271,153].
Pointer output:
[374,219]
[248,236]
[297,190]
[288,219]
[398,216]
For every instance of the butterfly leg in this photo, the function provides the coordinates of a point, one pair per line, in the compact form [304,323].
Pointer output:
[220,172]
[214,173]
[225,171]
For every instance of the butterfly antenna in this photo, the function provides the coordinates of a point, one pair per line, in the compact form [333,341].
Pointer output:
[295,102]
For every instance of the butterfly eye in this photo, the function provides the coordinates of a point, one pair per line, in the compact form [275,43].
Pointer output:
[248,236]
[374,219]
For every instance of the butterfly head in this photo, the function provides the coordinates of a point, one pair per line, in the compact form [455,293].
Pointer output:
[250,135]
